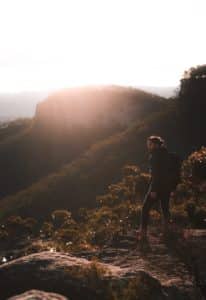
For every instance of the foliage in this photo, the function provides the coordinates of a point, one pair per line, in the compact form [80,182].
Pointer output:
[192,107]
[191,193]
[130,187]
[47,229]
[118,212]
[194,167]
[142,287]
[79,178]
[17,226]
[62,218]
[31,149]
[116,215]
[76,184]
[3,234]
[92,273]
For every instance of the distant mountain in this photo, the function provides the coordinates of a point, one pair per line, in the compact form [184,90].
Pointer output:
[166,92]
[76,184]
[65,125]
[103,106]
[74,161]
[19,105]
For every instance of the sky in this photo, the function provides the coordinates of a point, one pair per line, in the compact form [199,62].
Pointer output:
[49,44]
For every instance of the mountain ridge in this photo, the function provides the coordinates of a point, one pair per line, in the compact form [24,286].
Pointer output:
[51,140]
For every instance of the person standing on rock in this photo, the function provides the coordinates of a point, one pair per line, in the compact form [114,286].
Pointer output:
[164,170]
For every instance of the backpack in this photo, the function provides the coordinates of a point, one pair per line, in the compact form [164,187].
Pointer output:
[174,169]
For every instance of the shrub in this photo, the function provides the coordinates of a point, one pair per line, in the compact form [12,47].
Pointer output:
[92,275]
[30,224]
[142,287]
[194,168]
[18,226]
[3,234]
[47,229]
[179,215]
[61,218]
[67,235]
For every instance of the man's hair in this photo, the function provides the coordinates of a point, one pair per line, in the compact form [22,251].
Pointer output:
[156,140]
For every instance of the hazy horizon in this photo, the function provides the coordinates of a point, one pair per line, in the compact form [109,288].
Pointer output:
[23,104]
[56,44]
[49,91]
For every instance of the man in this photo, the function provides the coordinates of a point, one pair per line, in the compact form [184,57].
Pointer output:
[159,187]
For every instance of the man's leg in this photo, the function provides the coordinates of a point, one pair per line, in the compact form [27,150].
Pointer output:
[147,205]
[165,200]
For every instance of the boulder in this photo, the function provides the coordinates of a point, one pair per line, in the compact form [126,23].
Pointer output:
[55,272]
[73,277]
[38,295]
[193,248]
[79,278]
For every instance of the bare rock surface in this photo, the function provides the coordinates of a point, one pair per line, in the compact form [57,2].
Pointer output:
[160,273]
[38,295]
[54,272]
[192,249]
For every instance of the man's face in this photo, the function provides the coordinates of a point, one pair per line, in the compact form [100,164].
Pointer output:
[151,146]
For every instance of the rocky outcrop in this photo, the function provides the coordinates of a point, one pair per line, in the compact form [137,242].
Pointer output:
[192,248]
[152,275]
[54,272]
[38,295]
[99,106]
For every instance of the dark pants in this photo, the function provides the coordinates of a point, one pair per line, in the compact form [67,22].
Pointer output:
[163,197]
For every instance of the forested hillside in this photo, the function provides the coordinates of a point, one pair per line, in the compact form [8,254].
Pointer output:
[64,126]
[91,205]
[76,183]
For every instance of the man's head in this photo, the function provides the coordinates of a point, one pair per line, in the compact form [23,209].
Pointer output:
[154,142]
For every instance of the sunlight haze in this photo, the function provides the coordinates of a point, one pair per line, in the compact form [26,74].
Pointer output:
[55,44]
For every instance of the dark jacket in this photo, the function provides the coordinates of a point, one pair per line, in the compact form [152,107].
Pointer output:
[158,161]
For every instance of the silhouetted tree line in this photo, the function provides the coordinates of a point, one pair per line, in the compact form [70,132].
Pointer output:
[192,106]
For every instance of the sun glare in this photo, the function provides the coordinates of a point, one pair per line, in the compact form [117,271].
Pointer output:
[53,44]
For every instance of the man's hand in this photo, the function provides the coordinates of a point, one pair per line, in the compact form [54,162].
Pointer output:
[153,195]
